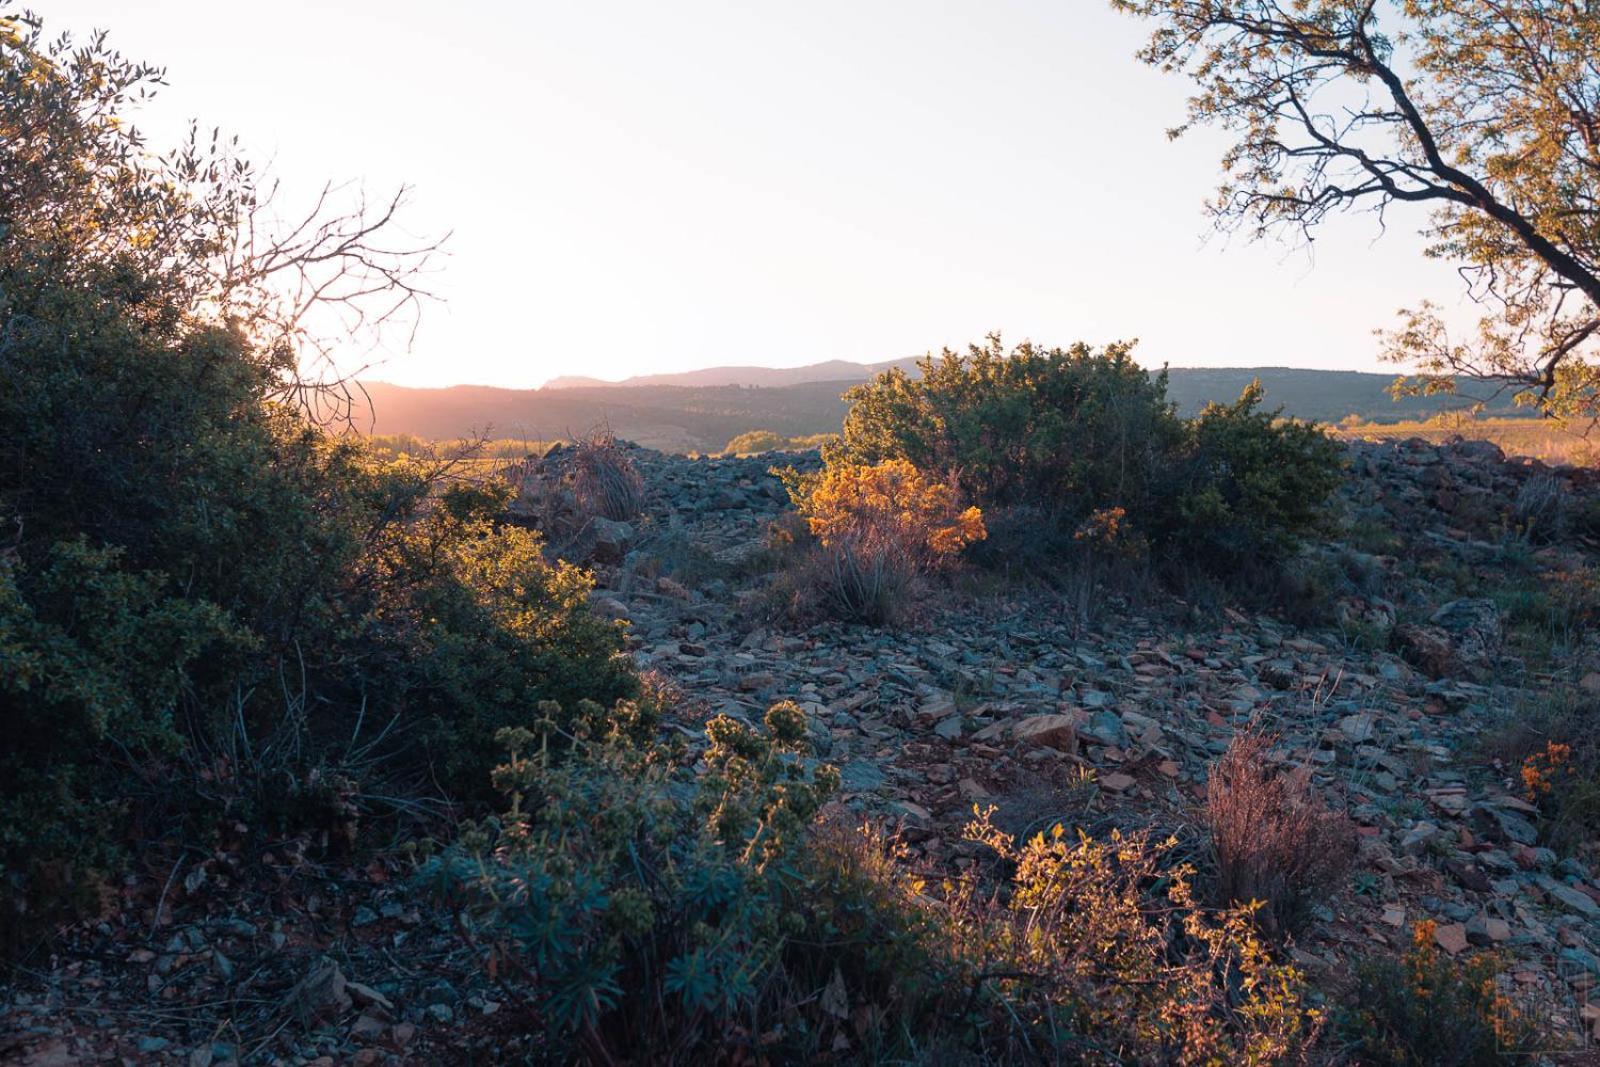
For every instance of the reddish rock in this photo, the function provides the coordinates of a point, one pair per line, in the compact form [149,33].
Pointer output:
[1452,937]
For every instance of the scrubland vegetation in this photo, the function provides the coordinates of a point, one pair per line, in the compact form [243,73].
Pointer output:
[237,638]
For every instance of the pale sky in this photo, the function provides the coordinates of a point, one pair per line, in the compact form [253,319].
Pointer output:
[641,187]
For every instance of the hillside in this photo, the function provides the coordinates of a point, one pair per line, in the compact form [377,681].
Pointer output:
[685,413]
[833,370]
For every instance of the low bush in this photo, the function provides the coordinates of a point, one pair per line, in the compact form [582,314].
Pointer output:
[879,530]
[649,911]
[604,480]
[1070,434]
[646,909]
[1423,1010]
[1273,840]
[756,441]
[1549,751]
[753,441]
[1247,486]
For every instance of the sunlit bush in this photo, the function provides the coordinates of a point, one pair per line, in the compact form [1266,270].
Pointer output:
[1090,957]
[752,441]
[879,529]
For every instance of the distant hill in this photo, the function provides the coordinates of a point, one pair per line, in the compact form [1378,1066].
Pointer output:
[834,370]
[698,417]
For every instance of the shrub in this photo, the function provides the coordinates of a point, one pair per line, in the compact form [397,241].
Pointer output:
[1549,747]
[1249,485]
[1075,428]
[604,479]
[645,908]
[753,441]
[1422,1009]
[879,529]
[650,911]
[1088,959]
[1563,779]
[201,579]
[1272,839]
[1066,435]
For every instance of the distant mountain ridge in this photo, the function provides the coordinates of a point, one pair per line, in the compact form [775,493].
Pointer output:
[833,370]
[675,415]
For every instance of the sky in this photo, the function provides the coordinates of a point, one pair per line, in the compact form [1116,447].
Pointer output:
[642,187]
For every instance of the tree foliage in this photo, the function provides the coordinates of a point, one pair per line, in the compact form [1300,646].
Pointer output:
[1486,112]
[197,582]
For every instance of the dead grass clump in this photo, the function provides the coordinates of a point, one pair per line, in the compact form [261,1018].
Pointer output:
[1273,838]
[604,480]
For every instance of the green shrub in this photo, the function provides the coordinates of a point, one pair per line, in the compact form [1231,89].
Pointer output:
[754,441]
[1423,1010]
[647,909]
[197,583]
[1248,485]
[1064,437]
[1073,429]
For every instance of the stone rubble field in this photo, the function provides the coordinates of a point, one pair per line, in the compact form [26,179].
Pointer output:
[1011,701]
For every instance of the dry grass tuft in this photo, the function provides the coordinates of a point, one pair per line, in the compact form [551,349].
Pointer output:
[1273,838]
[605,481]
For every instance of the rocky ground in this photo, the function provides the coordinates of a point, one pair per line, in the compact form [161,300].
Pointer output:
[1008,700]
[1012,698]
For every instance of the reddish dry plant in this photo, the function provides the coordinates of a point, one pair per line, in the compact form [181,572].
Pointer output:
[1273,838]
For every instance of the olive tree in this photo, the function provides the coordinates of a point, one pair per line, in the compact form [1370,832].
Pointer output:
[1487,112]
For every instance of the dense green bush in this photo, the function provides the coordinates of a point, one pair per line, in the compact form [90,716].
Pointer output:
[1069,428]
[197,583]
[1247,485]
[1063,438]
[754,441]
[647,909]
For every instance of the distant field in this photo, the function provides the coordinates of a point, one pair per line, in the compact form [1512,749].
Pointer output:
[1539,438]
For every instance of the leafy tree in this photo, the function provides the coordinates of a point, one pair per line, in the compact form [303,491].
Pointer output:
[1487,112]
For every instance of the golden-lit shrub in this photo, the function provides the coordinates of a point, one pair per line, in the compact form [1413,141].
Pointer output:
[1049,439]
[1274,840]
[1083,956]
[656,910]
[1550,743]
[879,528]
[890,502]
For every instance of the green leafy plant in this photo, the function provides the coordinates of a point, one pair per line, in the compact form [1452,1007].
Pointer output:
[646,907]
[1421,1008]
[210,600]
